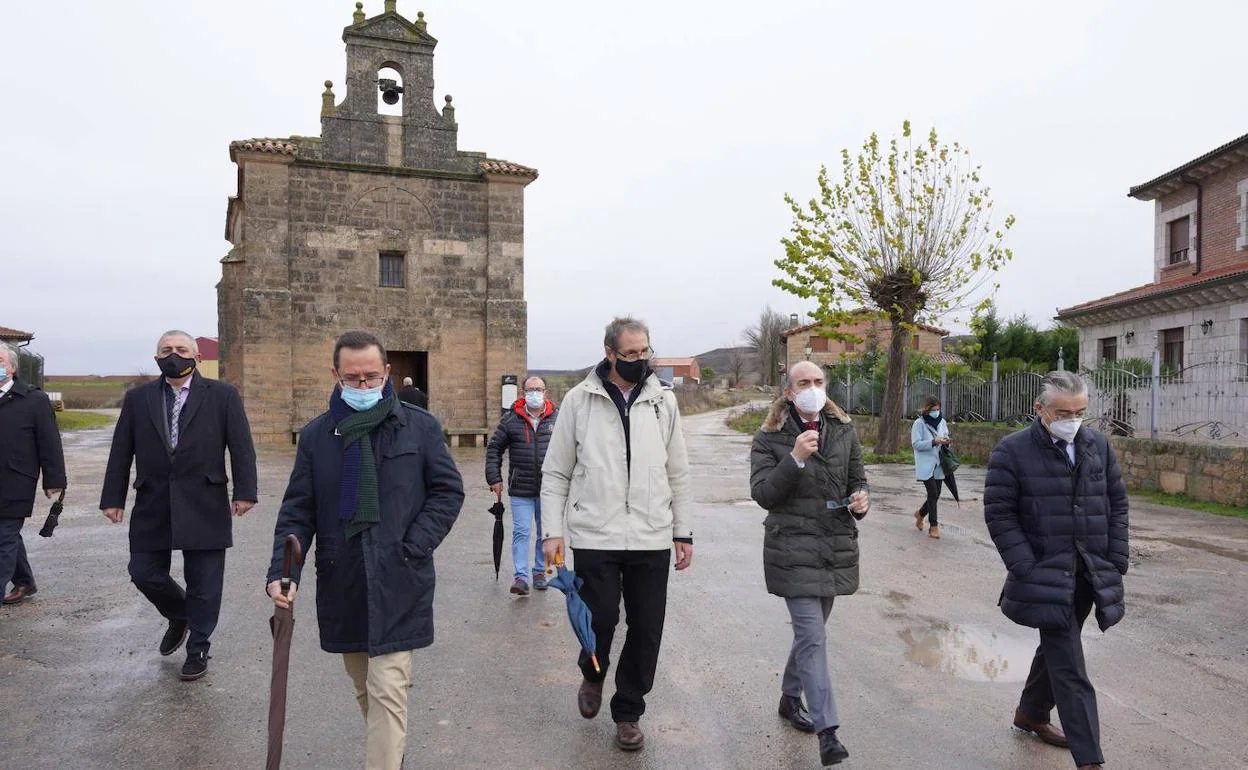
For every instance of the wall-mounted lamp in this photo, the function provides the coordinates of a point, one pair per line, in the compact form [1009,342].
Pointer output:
[1206,325]
[807,351]
[1130,337]
[792,319]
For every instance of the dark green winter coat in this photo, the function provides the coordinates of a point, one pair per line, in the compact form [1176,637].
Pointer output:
[808,549]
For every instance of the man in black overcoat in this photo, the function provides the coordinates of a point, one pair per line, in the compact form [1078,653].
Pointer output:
[176,430]
[30,444]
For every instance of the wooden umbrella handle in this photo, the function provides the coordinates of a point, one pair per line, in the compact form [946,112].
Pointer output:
[292,552]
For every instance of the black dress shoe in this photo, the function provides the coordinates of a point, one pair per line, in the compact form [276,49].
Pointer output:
[174,636]
[196,665]
[792,709]
[831,750]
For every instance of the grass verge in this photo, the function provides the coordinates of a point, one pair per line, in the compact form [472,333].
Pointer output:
[72,420]
[747,421]
[1183,501]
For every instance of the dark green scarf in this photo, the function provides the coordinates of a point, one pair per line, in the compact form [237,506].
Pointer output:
[355,429]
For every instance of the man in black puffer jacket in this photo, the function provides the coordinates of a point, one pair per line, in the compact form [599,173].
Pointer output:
[525,432]
[1056,507]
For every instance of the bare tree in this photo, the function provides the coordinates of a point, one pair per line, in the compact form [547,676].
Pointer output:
[765,339]
[737,363]
[908,232]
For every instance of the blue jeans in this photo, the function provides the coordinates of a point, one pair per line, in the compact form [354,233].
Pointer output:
[526,517]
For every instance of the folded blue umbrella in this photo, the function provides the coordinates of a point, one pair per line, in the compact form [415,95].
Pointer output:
[578,612]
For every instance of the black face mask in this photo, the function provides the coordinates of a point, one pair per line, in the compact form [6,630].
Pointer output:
[174,366]
[631,371]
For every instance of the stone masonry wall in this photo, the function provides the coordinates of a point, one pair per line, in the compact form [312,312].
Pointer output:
[314,238]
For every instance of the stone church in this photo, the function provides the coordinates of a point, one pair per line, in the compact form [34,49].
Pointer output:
[382,223]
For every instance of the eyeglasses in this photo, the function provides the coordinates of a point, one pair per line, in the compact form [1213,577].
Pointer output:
[534,390]
[644,355]
[364,382]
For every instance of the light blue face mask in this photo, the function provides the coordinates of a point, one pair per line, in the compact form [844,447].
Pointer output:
[362,399]
[935,413]
[4,372]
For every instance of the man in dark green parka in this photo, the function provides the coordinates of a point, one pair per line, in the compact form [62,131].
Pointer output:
[806,471]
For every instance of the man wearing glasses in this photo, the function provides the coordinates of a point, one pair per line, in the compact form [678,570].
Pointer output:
[1056,507]
[524,432]
[616,470]
[375,484]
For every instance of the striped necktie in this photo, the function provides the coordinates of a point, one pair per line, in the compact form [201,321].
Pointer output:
[178,402]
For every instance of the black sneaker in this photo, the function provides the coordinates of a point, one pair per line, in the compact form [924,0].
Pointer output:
[196,665]
[174,636]
[831,751]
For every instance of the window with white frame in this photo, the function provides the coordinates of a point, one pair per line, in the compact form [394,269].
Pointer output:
[1241,215]
[1180,232]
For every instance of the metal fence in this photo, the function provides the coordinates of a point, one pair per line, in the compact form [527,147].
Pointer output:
[1204,401]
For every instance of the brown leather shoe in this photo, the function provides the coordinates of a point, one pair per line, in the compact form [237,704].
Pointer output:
[589,699]
[934,532]
[1042,730]
[918,519]
[628,736]
[19,594]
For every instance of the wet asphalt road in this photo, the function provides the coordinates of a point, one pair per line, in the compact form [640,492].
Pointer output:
[926,670]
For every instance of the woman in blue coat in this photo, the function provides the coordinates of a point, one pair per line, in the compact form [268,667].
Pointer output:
[929,434]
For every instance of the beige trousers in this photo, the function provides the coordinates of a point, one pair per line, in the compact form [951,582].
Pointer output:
[381,686]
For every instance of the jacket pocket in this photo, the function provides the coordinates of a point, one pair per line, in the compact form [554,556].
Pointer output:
[659,498]
[27,472]
[216,479]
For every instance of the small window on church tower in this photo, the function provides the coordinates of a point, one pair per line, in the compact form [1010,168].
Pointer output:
[390,269]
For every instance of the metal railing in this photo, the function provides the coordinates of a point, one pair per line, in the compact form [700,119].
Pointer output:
[1203,401]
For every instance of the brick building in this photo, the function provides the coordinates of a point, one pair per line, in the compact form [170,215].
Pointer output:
[1196,308]
[678,371]
[381,223]
[806,343]
[210,357]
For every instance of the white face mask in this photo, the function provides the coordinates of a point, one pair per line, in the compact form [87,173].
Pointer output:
[1065,429]
[810,400]
[534,399]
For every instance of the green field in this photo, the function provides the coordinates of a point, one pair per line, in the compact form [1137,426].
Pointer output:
[98,394]
[72,420]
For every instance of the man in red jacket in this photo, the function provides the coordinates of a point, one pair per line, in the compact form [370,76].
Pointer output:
[525,432]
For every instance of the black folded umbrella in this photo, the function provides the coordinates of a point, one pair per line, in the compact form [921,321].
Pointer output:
[54,516]
[498,510]
[952,483]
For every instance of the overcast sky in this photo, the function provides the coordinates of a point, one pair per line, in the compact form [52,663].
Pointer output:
[666,134]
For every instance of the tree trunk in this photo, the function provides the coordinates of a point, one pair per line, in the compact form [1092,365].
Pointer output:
[891,413]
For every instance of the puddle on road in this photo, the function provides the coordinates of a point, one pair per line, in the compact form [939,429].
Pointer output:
[969,652]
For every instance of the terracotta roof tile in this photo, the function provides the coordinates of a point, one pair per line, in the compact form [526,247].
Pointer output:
[948,358]
[506,168]
[14,334]
[1151,289]
[274,146]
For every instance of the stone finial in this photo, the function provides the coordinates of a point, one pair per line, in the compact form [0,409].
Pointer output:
[448,112]
[327,100]
[420,20]
[392,6]
[358,16]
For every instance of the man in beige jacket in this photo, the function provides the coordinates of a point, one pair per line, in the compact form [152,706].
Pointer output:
[617,472]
